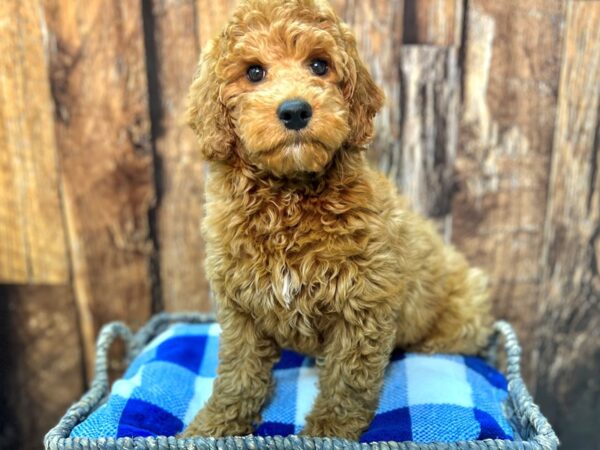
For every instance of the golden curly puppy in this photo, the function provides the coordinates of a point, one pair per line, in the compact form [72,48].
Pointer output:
[307,247]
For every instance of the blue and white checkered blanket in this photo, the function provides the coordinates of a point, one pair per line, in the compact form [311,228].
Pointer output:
[439,398]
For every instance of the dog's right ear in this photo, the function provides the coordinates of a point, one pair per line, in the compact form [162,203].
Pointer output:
[206,113]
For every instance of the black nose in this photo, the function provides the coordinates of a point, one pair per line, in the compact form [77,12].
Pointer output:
[295,114]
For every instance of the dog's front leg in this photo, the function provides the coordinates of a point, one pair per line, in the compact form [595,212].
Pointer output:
[243,381]
[356,356]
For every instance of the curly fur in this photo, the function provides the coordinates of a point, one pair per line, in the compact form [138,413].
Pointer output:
[309,248]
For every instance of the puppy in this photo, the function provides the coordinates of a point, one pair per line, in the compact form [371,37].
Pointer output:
[307,247]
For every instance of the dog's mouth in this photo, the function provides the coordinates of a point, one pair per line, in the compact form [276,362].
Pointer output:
[298,154]
[295,145]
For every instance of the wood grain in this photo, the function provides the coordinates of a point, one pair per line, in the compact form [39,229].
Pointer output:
[568,330]
[429,108]
[32,238]
[211,16]
[504,148]
[180,169]
[41,362]
[434,22]
[98,78]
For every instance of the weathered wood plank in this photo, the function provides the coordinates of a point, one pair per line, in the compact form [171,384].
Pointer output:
[41,363]
[429,108]
[32,238]
[176,47]
[568,329]
[511,73]
[434,22]
[98,79]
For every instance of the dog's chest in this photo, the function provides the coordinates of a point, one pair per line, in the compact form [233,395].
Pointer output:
[296,309]
[288,260]
[298,249]
[293,261]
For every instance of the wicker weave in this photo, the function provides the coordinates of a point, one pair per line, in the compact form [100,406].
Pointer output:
[532,430]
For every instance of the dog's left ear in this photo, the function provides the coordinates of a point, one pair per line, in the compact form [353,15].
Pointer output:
[364,96]
[206,114]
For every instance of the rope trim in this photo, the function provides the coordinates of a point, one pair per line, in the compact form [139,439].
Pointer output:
[533,428]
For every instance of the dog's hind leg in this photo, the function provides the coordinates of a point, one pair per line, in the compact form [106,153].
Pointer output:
[464,324]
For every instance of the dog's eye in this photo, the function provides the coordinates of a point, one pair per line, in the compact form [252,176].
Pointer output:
[318,67]
[256,73]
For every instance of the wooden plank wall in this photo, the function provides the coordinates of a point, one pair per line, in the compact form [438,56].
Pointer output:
[567,350]
[98,73]
[31,225]
[491,127]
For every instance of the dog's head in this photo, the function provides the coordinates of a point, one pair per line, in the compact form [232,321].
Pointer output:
[283,88]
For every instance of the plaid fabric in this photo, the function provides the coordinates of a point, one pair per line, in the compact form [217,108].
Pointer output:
[439,398]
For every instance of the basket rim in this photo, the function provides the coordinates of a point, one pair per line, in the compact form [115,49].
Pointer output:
[530,423]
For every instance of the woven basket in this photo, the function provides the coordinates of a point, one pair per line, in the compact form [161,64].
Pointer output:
[532,430]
